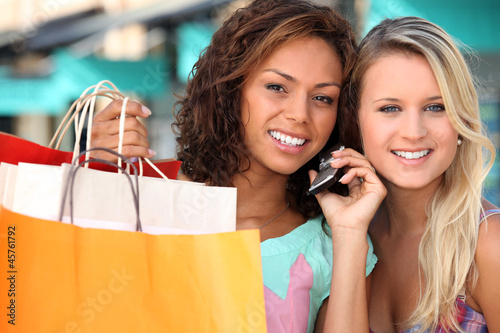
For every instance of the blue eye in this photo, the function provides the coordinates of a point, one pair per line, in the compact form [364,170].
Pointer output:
[389,109]
[435,108]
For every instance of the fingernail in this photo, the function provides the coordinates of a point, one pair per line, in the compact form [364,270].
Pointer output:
[146,110]
[151,152]
[134,159]
[340,149]
[340,180]
[328,162]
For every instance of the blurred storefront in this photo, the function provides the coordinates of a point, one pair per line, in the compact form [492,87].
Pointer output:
[51,50]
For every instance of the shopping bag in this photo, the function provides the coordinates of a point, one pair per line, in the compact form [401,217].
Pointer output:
[7,183]
[59,277]
[183,206]
[37,191]
[64,278]
[14,149]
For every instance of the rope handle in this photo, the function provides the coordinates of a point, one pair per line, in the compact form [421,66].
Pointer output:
[86,104]
[70,181]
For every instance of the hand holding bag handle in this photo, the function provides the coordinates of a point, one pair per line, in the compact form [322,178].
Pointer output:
[87,103]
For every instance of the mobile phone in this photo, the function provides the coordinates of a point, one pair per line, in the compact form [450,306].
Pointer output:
[327,176]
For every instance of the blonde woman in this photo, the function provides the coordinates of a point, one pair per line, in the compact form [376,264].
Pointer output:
[413,111]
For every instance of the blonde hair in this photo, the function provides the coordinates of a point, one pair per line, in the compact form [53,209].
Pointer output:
[448,245]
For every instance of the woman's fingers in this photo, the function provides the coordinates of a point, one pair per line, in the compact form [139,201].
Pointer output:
[106,126]
[134,145]
[111,127]
[350,158]
[366,192]
[113,111]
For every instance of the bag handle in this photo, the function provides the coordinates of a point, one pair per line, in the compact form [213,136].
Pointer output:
[69,185]
[120,143]
[86,104]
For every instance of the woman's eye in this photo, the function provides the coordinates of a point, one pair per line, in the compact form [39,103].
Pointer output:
[389,108]
[435,108]
[275,87]
[324,99]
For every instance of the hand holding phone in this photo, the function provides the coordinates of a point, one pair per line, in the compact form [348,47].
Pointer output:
[327,175]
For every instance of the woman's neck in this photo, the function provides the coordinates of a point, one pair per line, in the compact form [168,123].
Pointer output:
[260,195]
[404,210]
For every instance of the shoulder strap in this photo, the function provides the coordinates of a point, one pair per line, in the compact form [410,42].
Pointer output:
[482,217]
[488,213]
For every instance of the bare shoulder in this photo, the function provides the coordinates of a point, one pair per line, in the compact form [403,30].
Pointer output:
[488,247]
[487,290]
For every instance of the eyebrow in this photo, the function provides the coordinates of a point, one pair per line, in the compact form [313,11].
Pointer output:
[292,79]
[391,99]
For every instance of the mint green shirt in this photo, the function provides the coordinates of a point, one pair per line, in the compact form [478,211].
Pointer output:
[297,271]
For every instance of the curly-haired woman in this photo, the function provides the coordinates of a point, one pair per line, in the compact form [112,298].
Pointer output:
[260,106]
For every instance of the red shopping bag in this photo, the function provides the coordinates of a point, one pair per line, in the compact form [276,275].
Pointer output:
[14,149]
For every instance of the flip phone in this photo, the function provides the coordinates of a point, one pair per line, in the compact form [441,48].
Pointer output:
[327,176]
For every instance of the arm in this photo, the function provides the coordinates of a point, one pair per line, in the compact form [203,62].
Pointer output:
[320,319]
[350,300]
[487,290]
[349,217]
[106,126]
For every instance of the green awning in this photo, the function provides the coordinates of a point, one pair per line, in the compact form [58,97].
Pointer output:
[475,23]
[193,38]
[53,94]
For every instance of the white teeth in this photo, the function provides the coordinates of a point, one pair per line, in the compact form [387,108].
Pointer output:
[286,139]
[411,155]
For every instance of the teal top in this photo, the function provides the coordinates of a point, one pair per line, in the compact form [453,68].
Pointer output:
[297,271]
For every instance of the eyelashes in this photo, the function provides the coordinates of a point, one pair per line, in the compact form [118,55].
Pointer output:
[395,108]
[277,88]
[435,108]
[325,99]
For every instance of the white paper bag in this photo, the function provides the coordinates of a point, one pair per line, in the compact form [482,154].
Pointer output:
[106,196]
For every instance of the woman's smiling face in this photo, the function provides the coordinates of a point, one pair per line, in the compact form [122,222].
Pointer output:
[289,104]
[407,135]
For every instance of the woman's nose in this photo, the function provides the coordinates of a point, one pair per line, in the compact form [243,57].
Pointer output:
[413,126]
[298,109]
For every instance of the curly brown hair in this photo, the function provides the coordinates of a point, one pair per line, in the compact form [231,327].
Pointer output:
[208,121]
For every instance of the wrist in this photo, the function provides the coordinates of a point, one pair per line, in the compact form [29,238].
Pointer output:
[351,241]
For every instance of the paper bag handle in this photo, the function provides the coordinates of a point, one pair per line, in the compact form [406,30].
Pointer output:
[69,185]
[86,101]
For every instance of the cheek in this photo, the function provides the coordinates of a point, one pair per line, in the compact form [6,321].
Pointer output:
[374,139]
[245,112]
[448,138]
[326,125]
[445,133]
[369,133]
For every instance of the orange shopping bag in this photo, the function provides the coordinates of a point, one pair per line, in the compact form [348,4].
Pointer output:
[58,277]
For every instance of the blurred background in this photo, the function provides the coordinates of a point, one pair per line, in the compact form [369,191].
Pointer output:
[52,50]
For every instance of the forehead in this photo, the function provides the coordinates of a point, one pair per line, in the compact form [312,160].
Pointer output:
[302,56]
[400,71]
[302,44]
